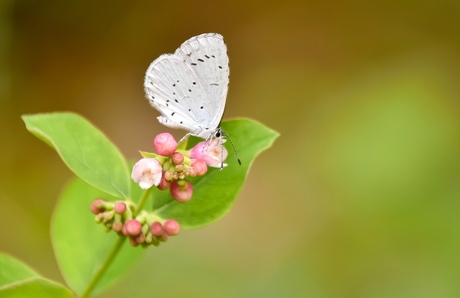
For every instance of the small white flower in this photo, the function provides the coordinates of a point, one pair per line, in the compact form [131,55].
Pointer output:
[147,172]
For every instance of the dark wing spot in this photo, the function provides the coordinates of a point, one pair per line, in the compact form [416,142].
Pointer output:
[194,83]
[176,100]
[213,56]
[207,56]
[172,114]
[189,90]
[220,67]
[189,110]
[174,93]
[214,84]
[181,122]
[189,54]
[193,64]
[177,81]
[201,107]
[174,85]
[201,60]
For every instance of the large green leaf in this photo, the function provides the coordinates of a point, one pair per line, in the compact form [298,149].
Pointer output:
[81,246]
[18,280]
[215,192]
[84,149]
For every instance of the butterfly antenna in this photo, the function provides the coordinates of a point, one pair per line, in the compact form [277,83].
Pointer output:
[231,142]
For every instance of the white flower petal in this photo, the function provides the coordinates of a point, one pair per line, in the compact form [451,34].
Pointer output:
[147,172]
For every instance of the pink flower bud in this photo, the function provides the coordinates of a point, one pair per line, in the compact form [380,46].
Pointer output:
[181,193]
[147,172]
[163,237]
[165,144]
[117,226]
[199,166]
[168,176]
[156,229]
[133,242]
[164,184]
[124,231]
[179,168]
[132,227]
[171,227]
[213,153]
[140,238]
[177,158]
[97,206]
[119,207]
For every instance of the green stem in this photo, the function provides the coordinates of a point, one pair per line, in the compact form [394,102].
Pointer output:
[104,267]
[142,201]
[116,248]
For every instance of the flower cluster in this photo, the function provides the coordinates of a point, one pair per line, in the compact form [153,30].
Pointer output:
[144,229]
[170,166]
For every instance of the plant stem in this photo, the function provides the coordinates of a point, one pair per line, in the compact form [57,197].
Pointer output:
[104,267]
[113,253]
[142,201]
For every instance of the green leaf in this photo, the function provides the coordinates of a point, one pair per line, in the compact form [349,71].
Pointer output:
[81,245]
[84,149]
[215,192]
[18,280]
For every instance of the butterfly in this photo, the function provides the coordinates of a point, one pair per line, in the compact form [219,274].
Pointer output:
[189,88]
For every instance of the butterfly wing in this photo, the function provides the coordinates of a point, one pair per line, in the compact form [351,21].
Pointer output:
[189,88]
[207,56]
[172,88]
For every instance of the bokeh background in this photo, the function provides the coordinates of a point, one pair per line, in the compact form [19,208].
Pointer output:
[359,197]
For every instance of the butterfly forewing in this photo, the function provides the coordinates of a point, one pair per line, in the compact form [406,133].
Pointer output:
[207,55]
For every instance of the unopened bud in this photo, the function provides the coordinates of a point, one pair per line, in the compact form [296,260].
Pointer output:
[177,158]
[120,207]
[164,184]
[165,144]
[181,193]
[132,227]
[156,229]
[97,206]
[171,227]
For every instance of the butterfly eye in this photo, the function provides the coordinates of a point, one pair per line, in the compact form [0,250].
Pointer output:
[217,134]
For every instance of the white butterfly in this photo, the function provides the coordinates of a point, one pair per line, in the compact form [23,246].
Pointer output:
[189,88]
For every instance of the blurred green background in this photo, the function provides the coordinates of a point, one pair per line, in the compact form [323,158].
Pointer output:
[359,197]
